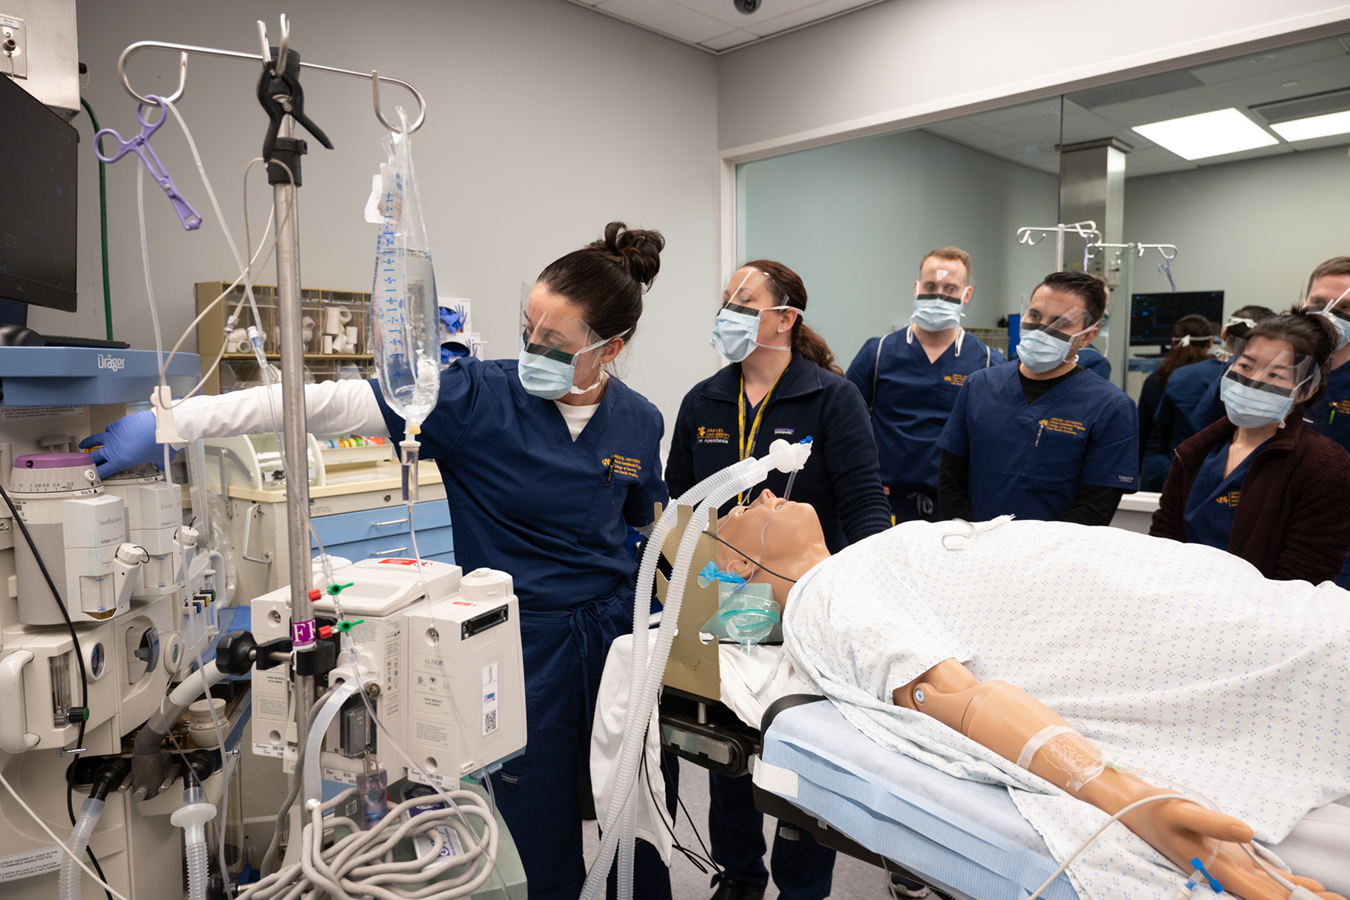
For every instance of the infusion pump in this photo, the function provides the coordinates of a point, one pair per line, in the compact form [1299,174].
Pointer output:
[443,672]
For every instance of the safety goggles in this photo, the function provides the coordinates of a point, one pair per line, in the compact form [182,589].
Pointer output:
[1056,318]
[552,334]
[1269,365]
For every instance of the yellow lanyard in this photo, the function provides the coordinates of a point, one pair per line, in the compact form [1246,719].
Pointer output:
[747,447]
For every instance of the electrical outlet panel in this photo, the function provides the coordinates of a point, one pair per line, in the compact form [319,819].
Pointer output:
[13,47]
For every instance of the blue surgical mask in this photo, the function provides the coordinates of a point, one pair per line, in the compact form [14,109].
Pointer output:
[1342,324]
[549,378]
[735,329]
[936,312]
[1040,350]
[1249,406]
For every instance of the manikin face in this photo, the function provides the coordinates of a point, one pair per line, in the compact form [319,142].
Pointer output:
[785,538]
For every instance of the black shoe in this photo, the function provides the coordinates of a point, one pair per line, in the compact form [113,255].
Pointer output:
[737,890]
[906,887]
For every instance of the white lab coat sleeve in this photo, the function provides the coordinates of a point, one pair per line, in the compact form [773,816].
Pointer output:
[331,407]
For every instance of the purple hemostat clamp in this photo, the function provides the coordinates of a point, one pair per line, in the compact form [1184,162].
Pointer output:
[140,145]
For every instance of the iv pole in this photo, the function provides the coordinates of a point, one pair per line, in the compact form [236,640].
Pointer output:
[283,100]
[1130,252]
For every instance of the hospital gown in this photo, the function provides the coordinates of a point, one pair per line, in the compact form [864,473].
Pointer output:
[1194,667]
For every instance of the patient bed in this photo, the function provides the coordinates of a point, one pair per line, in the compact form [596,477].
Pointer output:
[815,771]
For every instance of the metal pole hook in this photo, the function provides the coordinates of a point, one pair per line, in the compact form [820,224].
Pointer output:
[375,79]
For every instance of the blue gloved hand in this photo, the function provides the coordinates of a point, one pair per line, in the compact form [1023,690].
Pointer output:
[128,442]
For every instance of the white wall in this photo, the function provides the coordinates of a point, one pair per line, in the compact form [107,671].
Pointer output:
[545,122]
[854,219]
[907,60]
[1253,229]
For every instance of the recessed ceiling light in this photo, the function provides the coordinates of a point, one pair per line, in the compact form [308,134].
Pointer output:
[1207,134]
[1314,126]
[1289,84]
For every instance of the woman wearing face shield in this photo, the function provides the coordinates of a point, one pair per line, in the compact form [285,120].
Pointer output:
[546,461]
[782,383]
[1260,483]
[1037,439]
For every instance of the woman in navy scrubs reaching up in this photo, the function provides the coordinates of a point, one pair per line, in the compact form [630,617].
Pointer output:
[546,459]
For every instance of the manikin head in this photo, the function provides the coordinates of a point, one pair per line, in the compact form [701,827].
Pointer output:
[790,545]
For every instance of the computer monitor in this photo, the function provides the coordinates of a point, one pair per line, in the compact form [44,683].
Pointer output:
[1153,315]
[38,202]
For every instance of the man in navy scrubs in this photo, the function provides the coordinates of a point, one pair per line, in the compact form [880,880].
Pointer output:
[1039,439]
[910,379]
[1329,291]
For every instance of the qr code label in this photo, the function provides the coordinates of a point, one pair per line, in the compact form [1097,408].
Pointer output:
[490,698]
[490,722]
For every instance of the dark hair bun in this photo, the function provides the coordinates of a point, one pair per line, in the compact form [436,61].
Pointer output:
[637,250]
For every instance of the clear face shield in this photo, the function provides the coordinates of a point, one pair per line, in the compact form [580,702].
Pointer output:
[1264,381]
[557,349]
[741,324]
[939,298]
[1053,327]
[1336,307]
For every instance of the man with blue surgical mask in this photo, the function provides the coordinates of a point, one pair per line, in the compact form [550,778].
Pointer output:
[910,379]
[1037,439]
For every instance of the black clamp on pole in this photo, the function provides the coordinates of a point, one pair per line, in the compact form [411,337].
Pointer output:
[280,94]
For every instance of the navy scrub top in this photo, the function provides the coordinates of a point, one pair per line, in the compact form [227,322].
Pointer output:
[1186,387]
[913,400]
[528,500]
[840,478]
[1331,417]
[1213,500]
[1029,459]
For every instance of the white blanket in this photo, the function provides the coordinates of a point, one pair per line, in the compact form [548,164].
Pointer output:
[1175,658]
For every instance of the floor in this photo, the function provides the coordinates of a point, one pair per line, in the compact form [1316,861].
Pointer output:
[852,878]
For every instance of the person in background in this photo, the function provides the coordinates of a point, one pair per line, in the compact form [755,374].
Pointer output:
[782,383]
[1159,413]
[1038,440]
[1208,409]
[1327,292]
[910,380]
[1089,357]
[1260,483]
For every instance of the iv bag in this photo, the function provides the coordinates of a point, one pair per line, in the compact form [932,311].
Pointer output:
[404,320]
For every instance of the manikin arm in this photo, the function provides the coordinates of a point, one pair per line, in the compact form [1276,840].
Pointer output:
[1025,731]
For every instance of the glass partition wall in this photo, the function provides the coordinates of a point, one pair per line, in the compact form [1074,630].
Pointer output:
[1238,165]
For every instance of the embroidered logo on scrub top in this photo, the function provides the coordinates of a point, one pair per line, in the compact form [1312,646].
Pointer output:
[787,431]
[713,435]
[1064,426]
[624,466]
[1229,499]
[1338,408]
[956,378]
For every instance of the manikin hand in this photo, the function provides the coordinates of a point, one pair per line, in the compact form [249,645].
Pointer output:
[1182,831]
[1006,719]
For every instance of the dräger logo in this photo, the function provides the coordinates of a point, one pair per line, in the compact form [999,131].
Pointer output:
[116,363]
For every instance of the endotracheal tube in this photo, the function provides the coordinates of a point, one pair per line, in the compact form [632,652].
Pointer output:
[405,339]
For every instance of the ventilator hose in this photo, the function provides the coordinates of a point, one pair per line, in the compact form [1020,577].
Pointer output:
[642,692]
[198,864]
[79,840]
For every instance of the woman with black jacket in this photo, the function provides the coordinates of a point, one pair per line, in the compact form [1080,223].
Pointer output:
[782,383]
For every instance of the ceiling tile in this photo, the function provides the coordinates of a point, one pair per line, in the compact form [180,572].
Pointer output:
[1271,61]
[728,40]
[725,10]
[666,17]
[802,16]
